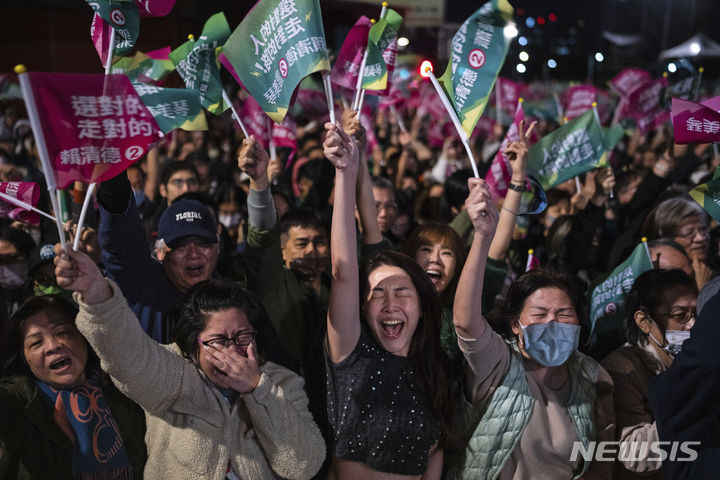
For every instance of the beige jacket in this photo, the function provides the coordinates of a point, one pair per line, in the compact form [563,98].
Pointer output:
[192,430]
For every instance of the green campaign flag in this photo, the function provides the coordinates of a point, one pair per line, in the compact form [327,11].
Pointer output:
[613,135]
[121,15]
[197,63]
[173,107]
[382,35]
[708,195]
[477,53]
[541,109]
[607,298]
[574,148]
[143,68]
[278,43]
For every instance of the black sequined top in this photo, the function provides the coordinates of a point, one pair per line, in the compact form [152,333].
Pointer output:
[377,416]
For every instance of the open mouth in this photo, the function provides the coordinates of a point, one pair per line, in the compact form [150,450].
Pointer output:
[194,271]
[60,364]
[392,328]
[435,275]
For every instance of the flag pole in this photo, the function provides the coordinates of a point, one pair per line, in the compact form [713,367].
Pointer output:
[597,118]
[26,206]
[359,91]
[235,115]
[453,116]
[498,101]
[91,188]
[39,135]
[529,260]
[401,124]
[647,250]
[328,95]
[699,82]
[271,142]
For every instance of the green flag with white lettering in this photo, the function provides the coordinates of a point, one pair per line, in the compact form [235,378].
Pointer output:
[197,63]
[144,68]
[477,53]
[173,107]
[574,148]
[382,36]
[278,43]
[708,195]
[607,298]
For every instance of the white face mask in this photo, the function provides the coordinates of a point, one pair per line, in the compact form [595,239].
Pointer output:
[231,220]
[674,340]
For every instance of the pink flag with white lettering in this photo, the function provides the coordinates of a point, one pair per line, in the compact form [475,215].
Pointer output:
[500,173]
[578,100]
[628,80]
[95,126]
[27,192]
[510,91]
[255,120]
[645,105]
[694,122]
[346,69]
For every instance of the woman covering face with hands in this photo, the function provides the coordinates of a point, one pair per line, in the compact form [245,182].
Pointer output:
[213,406]
[389,396]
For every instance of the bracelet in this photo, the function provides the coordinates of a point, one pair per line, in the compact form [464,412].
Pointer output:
[510,211]
[515,187]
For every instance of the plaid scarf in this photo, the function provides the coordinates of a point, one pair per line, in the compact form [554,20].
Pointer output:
[83,415]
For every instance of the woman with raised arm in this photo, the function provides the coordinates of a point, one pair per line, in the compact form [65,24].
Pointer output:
[390,403]
[214,408]
[533,395]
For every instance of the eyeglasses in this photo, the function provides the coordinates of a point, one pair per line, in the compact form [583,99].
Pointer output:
[241,340]
[682,316]
[689,233]
[179,182]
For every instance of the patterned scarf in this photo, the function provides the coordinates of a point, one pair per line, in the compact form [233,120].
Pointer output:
[83,415]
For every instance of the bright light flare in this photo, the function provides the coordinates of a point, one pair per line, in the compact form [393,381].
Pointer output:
[524,57]
[510,31]
[403,42]
[425,68]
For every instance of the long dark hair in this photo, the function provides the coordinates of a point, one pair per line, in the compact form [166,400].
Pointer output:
[208,297]
[429,361]
[647,294]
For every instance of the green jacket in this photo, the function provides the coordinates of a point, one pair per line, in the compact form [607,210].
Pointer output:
[501,420]
[35,447]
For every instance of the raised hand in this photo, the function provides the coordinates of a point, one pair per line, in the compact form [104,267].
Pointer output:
[241,373]
[340,149]
[76,271]
[352,126]
[253,160]
[88,240]
[481,208]
[517,152]
[604,180]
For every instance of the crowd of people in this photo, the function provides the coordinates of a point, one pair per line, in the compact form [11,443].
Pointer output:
[355,311]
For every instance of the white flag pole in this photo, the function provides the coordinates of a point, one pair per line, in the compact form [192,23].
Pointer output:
[359,91]
[401,124]
[453,116]
[647,250]
[39,135]
[328,95]
[235,115]
[271,142]
[26,206]
[111,50]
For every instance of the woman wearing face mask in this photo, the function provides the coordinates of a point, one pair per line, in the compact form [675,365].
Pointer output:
[660,311]
[60,415]
[534,385]
[16,247]
[214,408]
[390,402]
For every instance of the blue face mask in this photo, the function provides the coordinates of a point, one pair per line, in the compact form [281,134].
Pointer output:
[139,197]
[550,344]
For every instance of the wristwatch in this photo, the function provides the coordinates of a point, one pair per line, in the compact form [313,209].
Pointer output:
[516,187]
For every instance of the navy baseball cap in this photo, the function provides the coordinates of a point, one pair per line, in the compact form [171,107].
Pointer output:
[185,218]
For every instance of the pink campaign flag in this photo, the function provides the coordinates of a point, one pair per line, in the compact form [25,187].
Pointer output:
[95,126]
[284,135]
[154,8]
[713,103]
[346,69]
[510,91]
[694,122]
[27,192]
[500,173]
[578,100]
[255,120]
[645,105]
[628,80]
